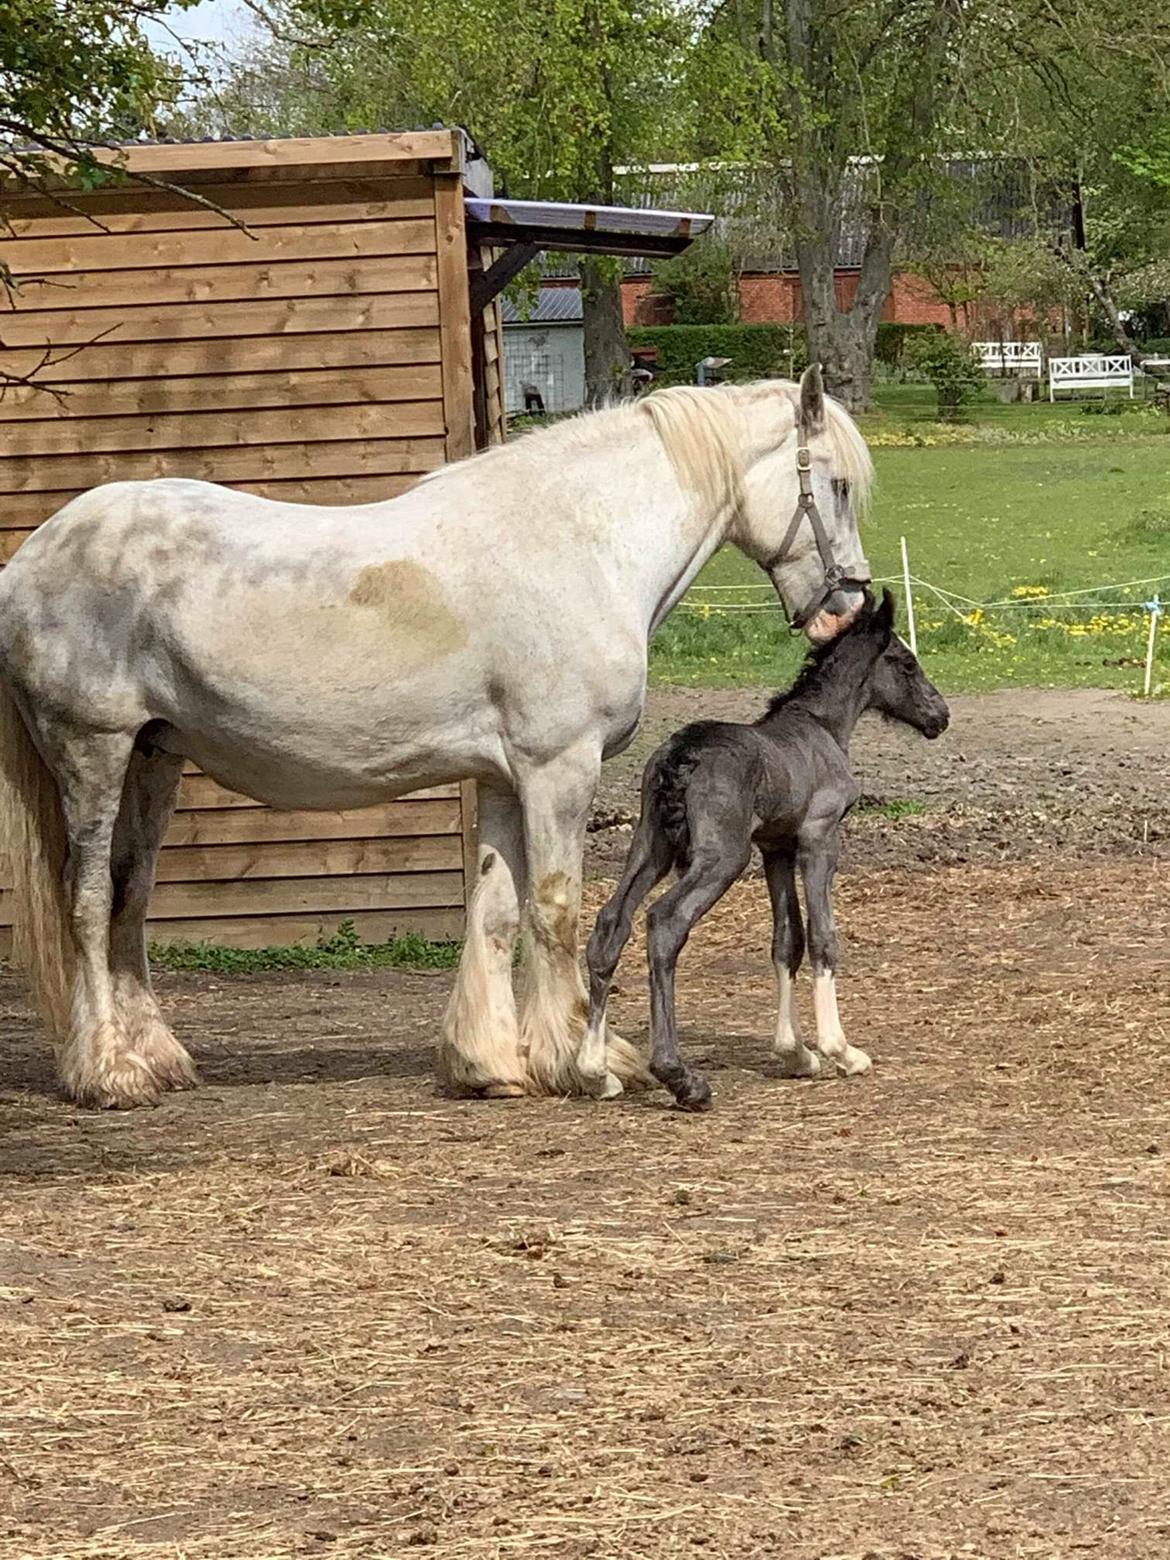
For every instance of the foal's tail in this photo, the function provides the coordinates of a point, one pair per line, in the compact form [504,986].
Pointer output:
[33,839]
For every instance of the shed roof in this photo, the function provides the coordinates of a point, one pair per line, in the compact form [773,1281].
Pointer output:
[585,227]
[447,150]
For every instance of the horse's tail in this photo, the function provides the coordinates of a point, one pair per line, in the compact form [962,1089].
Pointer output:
[33,838]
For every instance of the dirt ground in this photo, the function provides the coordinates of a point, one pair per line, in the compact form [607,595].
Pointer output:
[317,1309]
[1020,772]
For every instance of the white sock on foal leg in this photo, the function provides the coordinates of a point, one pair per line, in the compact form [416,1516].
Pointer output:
[831,1041]
[795,1058]
[592,1063]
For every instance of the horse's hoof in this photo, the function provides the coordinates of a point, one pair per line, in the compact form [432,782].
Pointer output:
[502,1091]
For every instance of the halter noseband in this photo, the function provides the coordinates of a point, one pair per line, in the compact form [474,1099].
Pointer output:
[835,574]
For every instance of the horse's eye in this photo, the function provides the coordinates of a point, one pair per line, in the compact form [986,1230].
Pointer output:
[840,490]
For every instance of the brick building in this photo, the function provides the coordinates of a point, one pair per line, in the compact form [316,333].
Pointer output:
[999,196]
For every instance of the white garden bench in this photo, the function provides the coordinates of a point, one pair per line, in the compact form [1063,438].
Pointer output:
[1098,371]
[1022,358]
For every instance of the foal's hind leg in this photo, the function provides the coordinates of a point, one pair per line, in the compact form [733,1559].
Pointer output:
[148,800]
[97,1060]
[668,925]
[795,1058]
[647,864]
[818,864]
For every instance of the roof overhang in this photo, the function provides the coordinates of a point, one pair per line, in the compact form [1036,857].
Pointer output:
[522,228]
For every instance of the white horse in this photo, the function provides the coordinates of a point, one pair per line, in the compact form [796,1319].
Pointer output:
[492,623]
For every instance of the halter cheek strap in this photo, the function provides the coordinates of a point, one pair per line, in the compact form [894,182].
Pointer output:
[806,509]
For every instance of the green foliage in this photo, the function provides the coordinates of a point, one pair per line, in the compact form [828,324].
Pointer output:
[895,808]
[702,283]
[343,951]
[75,73]
[556,94]
[890,346]
[71,75]
[756,351]
[1050,502]
[947,362]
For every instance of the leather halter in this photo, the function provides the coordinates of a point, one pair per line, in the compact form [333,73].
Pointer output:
[835,574]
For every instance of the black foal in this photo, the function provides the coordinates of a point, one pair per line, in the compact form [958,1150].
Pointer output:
[714,788]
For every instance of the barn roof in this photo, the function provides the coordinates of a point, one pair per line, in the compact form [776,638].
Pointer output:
[554,306]
[1002,196]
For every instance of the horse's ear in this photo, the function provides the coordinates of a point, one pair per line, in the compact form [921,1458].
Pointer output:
[812,401]
[884,616]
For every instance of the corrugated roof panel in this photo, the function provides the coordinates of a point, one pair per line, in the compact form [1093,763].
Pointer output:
[554,306]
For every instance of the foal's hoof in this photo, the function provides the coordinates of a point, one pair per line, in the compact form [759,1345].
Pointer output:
[606,1086]
[801,1063]
[853,1062]
[694,1094]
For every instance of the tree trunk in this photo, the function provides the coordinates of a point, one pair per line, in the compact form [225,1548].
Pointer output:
[1078,263]
[842,340]
[607,358]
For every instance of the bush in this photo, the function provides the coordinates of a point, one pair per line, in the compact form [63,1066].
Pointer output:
[756,351]
[1157,346]
[948,364]
[702,283]
[891,344]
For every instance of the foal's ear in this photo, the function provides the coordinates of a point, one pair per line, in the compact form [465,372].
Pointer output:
[812,401]
[883,618]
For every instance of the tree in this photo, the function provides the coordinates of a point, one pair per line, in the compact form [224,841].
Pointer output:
[947,362]
[74,80]
[847,104]
[559,95]
[859,110]
[1093,111]
[702,283]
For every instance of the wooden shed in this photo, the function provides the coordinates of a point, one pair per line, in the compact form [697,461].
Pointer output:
[313,320]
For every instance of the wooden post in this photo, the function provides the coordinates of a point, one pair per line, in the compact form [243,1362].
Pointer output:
[454,316]
[469,804]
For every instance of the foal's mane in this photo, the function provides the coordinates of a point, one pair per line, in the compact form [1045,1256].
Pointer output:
[817,666]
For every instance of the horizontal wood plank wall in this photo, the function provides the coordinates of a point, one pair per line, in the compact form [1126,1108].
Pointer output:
[300,358]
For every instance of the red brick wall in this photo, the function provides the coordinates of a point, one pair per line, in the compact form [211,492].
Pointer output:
[775,298]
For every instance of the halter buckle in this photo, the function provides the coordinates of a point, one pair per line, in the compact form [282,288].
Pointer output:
[803,458]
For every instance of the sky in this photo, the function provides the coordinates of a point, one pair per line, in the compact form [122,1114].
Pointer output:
[212,21]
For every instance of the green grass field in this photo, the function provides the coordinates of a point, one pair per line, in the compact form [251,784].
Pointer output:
[1017,504]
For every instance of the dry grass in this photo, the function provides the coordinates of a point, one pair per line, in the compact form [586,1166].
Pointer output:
[921,1314]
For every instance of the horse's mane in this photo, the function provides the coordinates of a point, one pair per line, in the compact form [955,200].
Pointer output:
[701,434]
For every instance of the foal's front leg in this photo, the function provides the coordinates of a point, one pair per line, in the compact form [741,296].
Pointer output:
[795,1058]
[818,864]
